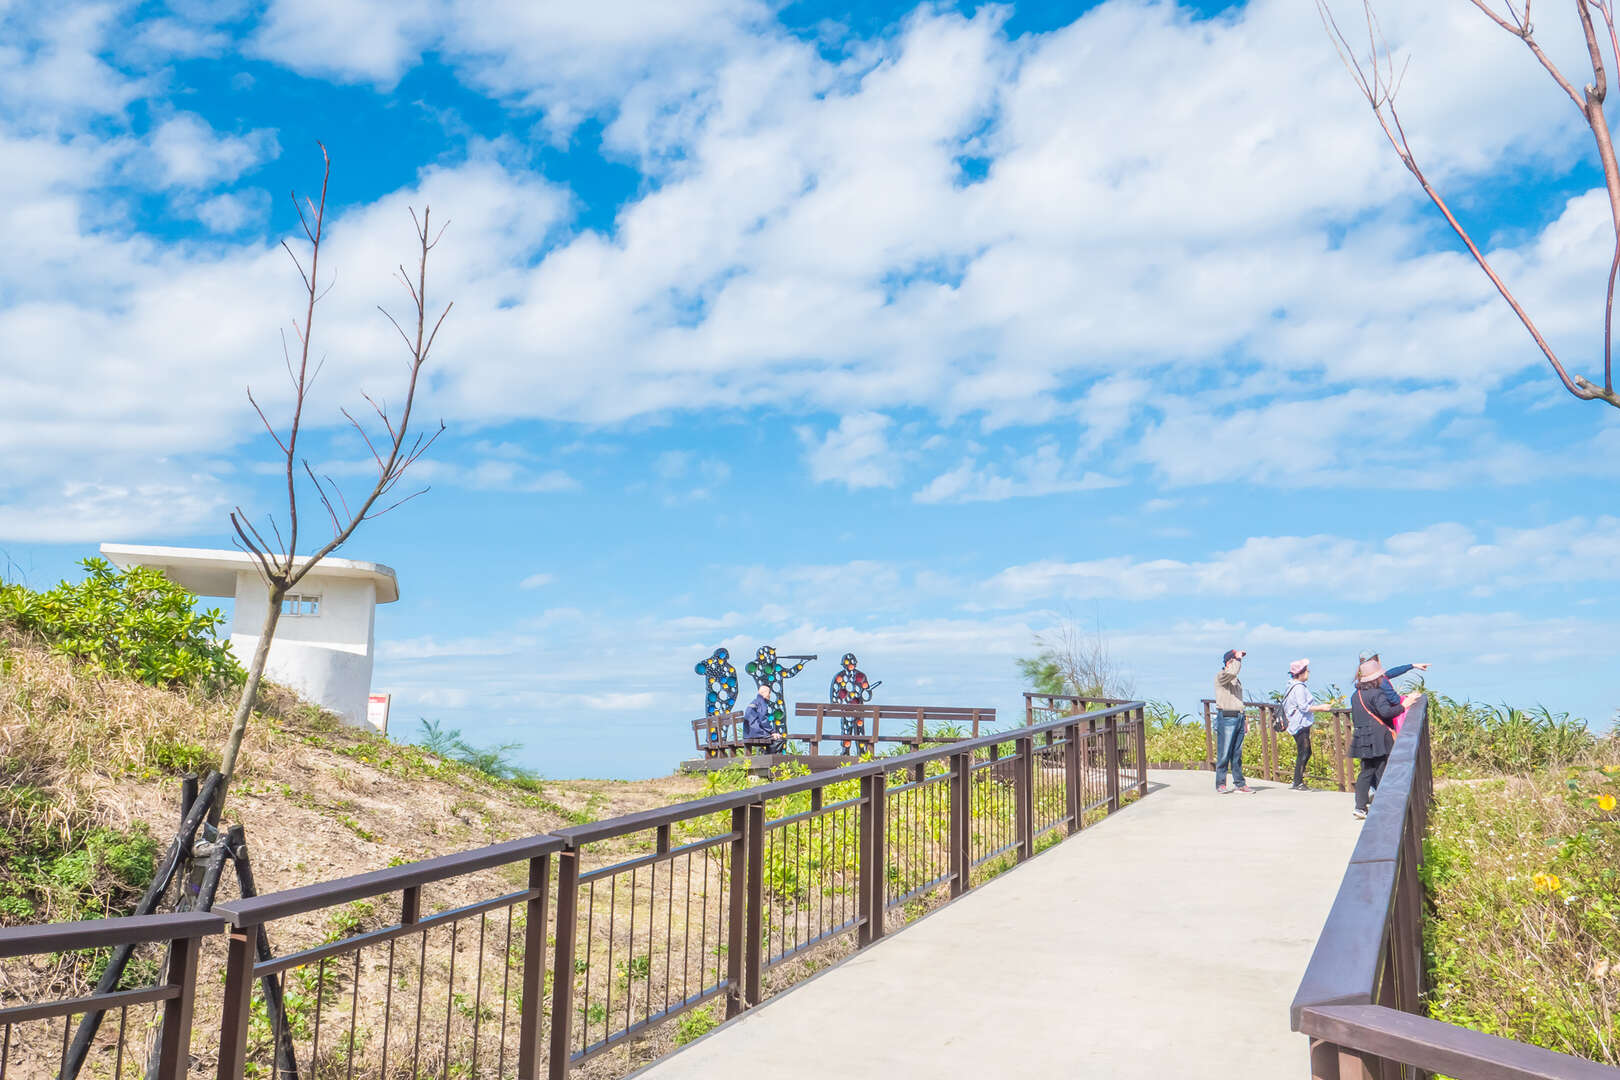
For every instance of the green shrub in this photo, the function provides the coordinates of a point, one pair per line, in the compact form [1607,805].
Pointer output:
[493,761]
[1523,881]
[695,1025]
[133,622]
[102,873]
[180,756]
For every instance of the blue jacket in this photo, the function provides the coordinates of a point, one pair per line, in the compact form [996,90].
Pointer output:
[1388,687]
[757,719]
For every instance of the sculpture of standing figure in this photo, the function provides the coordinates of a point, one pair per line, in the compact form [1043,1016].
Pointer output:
[849,687]
[720,681]
[720,685]
[768,672]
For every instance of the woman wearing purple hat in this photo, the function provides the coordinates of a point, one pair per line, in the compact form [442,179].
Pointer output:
[1297,708]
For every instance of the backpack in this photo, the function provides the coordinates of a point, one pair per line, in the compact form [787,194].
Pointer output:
[1279,719]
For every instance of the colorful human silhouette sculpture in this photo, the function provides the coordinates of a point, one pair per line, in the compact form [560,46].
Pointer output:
[850,687]
[768,671]
[720,687]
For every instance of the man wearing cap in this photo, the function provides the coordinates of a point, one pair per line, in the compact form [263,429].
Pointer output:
[1229,724]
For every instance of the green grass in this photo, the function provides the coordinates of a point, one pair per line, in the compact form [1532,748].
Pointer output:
[87,874]
[1523,880]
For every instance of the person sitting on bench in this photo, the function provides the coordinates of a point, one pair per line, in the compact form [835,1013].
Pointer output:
[757,722]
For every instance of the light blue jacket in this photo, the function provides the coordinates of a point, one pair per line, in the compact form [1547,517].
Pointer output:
[1297,707]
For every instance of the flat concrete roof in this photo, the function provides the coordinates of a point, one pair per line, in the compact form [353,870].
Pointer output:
[209,572]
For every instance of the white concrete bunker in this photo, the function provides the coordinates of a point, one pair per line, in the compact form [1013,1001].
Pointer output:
[325,641]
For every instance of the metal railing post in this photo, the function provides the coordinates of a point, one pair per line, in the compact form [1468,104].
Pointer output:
[174,1047]
[1024,796]
[961,814]
[1270,735]
[1071,776]
[1141,752]
[562,964]
[753,950]
[872,857]
[238,1008]
[534,944]
[1209,739]
[1111,761]
[1324,1060]
[737,914]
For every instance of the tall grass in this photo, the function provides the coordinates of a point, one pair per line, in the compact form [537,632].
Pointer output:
[1523,883]
[1469,737]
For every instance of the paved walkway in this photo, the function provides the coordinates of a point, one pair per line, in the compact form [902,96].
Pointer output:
[1166,942]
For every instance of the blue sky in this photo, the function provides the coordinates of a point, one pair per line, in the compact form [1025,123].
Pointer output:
[908,331]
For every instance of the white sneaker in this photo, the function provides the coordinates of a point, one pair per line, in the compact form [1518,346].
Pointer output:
[1359,815]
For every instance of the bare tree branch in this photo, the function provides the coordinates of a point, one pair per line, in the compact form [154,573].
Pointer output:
[1374,79]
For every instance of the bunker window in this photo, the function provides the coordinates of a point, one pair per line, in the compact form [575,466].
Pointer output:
[294,604]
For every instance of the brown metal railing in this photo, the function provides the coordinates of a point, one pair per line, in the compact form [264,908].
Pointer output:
[1039,708]
[449,978]
[534,956]
[1330,741]
[1361,998]
[911,726]
[155,1044]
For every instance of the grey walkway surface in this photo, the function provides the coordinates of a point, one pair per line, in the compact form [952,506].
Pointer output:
[1165,942]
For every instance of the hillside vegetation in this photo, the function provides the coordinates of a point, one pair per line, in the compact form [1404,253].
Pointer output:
[97,724]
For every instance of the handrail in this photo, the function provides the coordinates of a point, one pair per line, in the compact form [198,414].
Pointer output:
[999,800]
[1347,963]
[713,804]
[104,933]
[1361,996]
[254,911]
[1437,1047]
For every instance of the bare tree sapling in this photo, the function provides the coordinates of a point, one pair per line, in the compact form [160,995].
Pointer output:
[394,449]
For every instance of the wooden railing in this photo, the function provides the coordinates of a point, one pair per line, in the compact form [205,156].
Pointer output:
[1330,741]
[534,956]
[165,1005]
[913,726]
[1361,999]
[1039,708]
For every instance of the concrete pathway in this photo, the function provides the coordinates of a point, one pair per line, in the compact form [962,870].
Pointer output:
[1165,942]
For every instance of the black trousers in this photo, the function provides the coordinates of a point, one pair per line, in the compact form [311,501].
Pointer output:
[1372,771]
[1302,753]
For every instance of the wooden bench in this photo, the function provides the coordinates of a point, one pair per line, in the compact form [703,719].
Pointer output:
[721,735]
[913,720]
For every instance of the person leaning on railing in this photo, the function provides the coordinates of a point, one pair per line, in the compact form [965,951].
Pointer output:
[1230,726]
[1391,674]
[1373,709]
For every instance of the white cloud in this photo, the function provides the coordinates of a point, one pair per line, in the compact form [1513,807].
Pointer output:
[1446,556]
[1043,472]
[856,453]
[233,211]
[83,510]
[189,153]
[811,243]
[535,581]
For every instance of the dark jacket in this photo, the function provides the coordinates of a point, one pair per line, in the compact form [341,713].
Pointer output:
[757,719]
[1372,710]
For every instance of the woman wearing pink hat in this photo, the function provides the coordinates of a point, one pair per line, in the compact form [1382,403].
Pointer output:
[1297,708]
